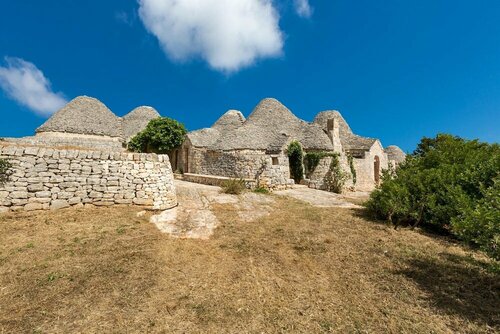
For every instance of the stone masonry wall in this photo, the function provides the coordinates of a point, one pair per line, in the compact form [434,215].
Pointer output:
[317,177]
[45,178]
[246,164]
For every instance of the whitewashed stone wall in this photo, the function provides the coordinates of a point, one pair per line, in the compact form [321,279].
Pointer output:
[365,167]
[45,178]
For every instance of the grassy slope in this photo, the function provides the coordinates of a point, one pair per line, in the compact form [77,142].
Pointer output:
[302,269]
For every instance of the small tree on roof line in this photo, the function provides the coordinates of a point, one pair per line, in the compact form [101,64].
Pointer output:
[161,135]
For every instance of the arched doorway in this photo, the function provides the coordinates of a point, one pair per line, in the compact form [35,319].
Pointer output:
[376,169]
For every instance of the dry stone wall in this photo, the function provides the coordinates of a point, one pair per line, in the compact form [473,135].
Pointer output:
[46,178]
[269,171]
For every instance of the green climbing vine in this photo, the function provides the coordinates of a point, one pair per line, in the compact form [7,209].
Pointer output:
[295,157]
[312,159]
[350,159]
[335,178]
[4,171]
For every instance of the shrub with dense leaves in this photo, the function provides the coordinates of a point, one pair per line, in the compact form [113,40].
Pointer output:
[161,135]
[4,171]
[480,224]
[448,183]
[295,158]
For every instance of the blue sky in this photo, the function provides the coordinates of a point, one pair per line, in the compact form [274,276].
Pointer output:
[397,70]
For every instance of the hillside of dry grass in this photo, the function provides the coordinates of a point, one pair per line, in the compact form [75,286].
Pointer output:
[299,270]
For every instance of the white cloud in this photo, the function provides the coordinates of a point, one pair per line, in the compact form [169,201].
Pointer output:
[25,83]
[228,34]
[303,8]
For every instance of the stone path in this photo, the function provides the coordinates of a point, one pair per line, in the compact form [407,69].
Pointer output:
[323,199]
[193,218]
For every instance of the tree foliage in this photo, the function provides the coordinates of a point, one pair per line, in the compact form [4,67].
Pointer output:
[161,135]
[295,157]
[449,183]
[4,171]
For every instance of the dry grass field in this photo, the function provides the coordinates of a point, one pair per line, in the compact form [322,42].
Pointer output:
[299,270]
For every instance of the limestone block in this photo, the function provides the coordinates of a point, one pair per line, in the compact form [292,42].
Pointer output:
[26,165]
[57,179]
[4,209]
[39,200]
[19,201]
[99,187]
[64,185]
[93,180]
[143,201]
[35,187]
[58,204]
[33,206]
[5,202]
[74,200]
[95,194]
[31,151]
[19,194]
[103,203]
[39,168]
[123,201]
[64,195]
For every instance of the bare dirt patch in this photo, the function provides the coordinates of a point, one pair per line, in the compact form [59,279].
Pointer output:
[299,269]
[194,217]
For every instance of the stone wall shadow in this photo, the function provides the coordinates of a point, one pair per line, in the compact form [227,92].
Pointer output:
[459,285]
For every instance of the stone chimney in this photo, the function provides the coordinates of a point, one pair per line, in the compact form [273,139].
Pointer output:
[332,128]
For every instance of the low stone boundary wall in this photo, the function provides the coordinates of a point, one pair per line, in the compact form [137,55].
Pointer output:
[212,180]
[45,178]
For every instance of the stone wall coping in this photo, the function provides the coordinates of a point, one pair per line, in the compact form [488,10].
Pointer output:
[215,177]
[38,151]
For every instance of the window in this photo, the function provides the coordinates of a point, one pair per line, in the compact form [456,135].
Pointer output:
[275,161]
[330,124]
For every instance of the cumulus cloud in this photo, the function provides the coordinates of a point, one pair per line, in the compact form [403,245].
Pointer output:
[228,34]
[303,8]
[25,83]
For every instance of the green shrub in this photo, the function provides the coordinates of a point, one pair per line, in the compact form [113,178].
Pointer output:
[4,171]
[447,183]
[261,190]
[295,157]
[233,186]
[161,135]
[480,224]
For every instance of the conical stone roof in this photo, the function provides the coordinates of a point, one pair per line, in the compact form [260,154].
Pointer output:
[137,120]
[84,115]
[322,119]
[395,153]
[269,126]
[231,120]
